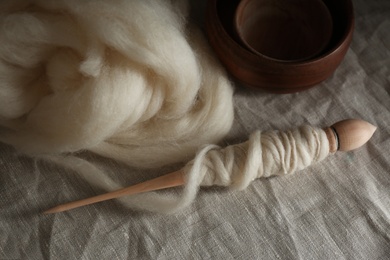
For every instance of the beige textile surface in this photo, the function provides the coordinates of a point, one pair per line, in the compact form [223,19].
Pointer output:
[337,209]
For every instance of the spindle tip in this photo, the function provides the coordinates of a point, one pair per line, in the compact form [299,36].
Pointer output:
[352,133]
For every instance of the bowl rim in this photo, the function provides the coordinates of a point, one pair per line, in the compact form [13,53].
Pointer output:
[242,6]
[344,39]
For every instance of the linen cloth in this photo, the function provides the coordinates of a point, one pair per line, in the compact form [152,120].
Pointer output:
[337,209]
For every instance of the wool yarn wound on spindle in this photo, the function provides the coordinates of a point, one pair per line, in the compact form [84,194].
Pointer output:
[236,166]
[127,79]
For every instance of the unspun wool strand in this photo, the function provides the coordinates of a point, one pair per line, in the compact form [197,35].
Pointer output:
[263,155]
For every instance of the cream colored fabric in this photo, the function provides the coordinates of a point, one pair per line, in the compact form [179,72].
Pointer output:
[336,209]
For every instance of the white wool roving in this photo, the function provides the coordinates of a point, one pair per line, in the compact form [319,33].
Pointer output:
[126,79]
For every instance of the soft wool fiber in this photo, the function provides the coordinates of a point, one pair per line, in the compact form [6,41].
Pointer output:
[129,80]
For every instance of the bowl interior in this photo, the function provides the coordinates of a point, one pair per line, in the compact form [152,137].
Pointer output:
[340,11]
[293,30]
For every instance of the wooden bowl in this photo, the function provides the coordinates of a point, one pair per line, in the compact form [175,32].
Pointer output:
[279,76]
